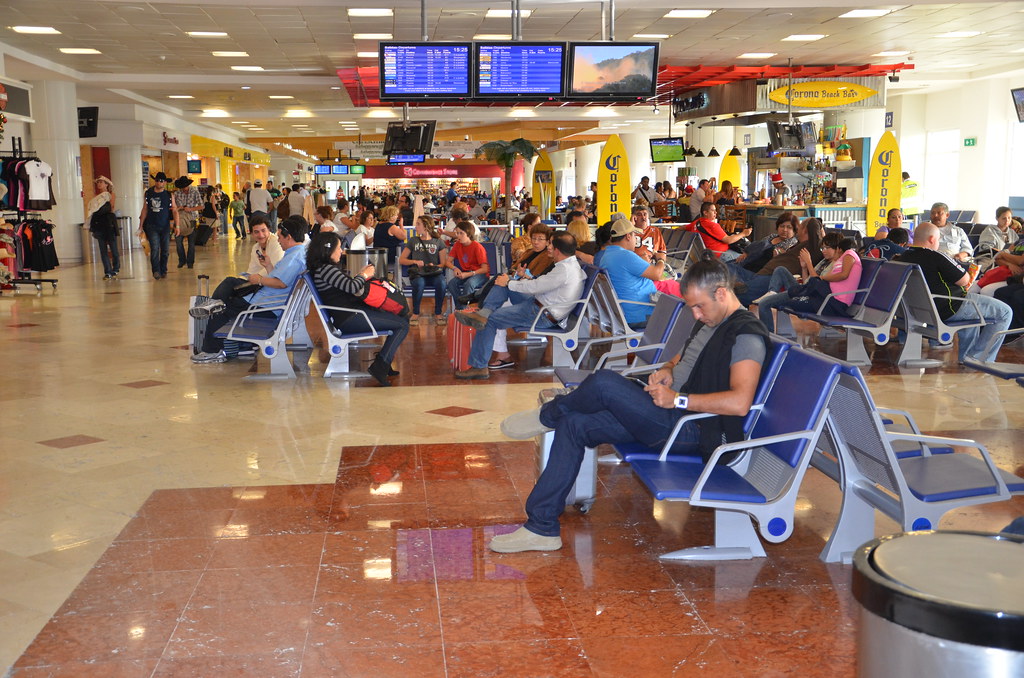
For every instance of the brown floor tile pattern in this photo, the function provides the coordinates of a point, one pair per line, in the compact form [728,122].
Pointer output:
[145,383]
[70,441]
[454,411]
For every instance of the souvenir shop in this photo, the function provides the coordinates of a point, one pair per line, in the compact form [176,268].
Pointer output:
[27,247]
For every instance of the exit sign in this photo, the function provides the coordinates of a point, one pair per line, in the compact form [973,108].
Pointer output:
[971,141]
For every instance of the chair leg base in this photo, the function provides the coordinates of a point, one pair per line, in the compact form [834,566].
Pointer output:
[712,553]
[612,458]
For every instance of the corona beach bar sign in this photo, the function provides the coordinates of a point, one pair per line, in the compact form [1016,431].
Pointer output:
[613,183]
[822,94]
[884,182]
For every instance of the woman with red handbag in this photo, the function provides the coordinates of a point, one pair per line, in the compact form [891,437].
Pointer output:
[337,288]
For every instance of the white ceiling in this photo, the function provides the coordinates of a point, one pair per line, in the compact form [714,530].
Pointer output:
[146,53]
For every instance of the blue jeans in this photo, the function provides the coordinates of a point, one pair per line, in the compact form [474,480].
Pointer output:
[756,284]
[605,408]
[498,295]
[382,321]
[109,255]
[458,287]
[272,216]
[436,282]
[159,248]
[224,222]
[183,257]
[781,280]
[973,341]
[516,315]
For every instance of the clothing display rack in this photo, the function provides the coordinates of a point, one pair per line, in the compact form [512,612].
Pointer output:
[19,269]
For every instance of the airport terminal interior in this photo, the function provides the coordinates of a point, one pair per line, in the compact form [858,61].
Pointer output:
[161,518]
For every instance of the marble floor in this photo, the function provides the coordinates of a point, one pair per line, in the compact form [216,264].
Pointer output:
[164,519]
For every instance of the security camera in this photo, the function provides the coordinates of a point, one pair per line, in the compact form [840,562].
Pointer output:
[894,78]
[657,110]
[466,138]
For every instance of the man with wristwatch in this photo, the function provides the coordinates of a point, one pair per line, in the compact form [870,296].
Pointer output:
[716,373]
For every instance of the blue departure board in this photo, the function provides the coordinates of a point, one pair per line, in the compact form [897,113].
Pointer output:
[407,159]
[520,69]
[418,70]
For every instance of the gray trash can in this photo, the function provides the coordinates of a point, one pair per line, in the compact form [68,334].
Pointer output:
[356,261]
[940,605]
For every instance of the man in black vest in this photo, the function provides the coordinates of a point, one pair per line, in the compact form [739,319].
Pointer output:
[717,372]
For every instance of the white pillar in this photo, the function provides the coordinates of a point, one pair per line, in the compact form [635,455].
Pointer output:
[126,173]
[55,141]
[528,166]
[638,148]
[587,158]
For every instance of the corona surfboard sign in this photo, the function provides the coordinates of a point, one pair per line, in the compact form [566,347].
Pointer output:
[543,185]
[822,94]
[614,186]
[885,182]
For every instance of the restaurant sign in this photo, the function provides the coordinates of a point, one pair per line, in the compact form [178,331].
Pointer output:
[822,94]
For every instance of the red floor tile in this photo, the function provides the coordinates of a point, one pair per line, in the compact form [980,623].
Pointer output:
[453,411]
[147,383]
[240,629]
[70,441]
[518,659]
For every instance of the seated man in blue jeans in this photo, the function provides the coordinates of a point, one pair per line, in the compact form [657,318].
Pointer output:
[717,372]
[558,290]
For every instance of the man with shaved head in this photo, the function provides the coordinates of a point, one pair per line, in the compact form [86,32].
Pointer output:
[946,278]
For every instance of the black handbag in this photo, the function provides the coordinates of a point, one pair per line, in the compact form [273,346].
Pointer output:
[424,271]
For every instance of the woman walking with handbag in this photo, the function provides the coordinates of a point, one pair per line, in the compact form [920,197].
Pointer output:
[189,203]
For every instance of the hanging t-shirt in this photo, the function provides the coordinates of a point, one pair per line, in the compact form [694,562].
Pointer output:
[159,212]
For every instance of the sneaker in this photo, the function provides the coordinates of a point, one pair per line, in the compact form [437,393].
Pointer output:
[762,297]
[204,358]
[206,308]
[473,373]
[414,320]
[442,320]
[474,319]
[107,277]
[524,425]
[524,540]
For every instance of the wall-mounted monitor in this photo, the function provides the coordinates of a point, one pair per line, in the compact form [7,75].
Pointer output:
[339,169]
[194,166]
[519,70]
[88,121]
[415,137]
[357,169]
[667,149]
[414,71]
[798,137]
[406,159]
[613,70]
[1018,102]
[321,169]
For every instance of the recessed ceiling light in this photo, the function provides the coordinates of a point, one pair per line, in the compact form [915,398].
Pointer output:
[864,13]
[180,96]
[892,54]
[206,34]
[652,36]
[372,36]
[80,50]
[600,112]
[689,14]
[756,55]
[230,54]
[382,113]
[364,11]
[240,122]
[215,113]
[492,36]
[959,34]
[36,30]
[336,87]
[298,113]
[804,37]
[506,13]
[367,55]
[522,113]
[246,87]
[247,68]
[346,122]
[257,129]
[280,96]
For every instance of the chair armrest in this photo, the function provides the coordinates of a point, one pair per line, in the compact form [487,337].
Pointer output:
[739,446]
[252,311]
[622,353]
[638,303]
[601,340]
[1000,335]
[965,300]
[679,427]
[902,413]
[351,310]
[962,442]
[832,294]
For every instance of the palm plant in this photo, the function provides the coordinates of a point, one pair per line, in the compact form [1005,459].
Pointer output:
[504,154]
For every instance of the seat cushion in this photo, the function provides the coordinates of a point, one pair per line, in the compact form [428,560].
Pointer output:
[675,480]
[947,476]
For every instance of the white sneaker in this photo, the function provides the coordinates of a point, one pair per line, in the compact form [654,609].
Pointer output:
[524,425]
[206,308]
[762,297]
[524,540]
[205,358]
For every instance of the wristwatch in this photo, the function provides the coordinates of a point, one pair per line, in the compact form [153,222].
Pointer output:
[682,401]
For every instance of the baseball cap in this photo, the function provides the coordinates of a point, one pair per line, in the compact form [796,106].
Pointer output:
[623,227]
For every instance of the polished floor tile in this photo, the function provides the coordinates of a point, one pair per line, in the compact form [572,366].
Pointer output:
[164,519]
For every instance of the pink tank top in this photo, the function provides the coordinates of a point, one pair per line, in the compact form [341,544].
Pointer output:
[843,289]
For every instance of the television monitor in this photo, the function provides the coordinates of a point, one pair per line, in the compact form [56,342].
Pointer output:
[339,169]
[357,169]
[194,166]
[414,71]
[88,121]
[667,149]
[414,137]
[798,137]
[613,70]
[406,158]
[1018,102]
[321,169]
[519,70]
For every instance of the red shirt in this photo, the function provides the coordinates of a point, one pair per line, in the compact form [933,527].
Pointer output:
[470,257]
[713,231]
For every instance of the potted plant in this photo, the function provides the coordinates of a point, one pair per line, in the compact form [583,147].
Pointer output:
[504,155]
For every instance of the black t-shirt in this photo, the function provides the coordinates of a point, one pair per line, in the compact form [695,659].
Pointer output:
[407,216]
[159,213]
[381,238]
[941,273]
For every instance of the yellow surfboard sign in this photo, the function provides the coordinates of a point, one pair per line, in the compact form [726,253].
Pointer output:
[730,170]
[544,185]
[822,94]
[614,185]
[885,182]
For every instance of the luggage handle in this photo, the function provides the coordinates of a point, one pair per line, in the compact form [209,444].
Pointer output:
[199,284]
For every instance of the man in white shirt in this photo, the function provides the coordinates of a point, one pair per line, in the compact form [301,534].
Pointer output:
[476,212]
[260,199]
[644,190]
[953,241]
[697,199]
[557,291]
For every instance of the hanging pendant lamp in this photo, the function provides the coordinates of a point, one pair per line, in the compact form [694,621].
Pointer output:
[713,153]
[735,151]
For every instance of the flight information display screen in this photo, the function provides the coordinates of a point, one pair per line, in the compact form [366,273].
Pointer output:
[418,70]
[520,69]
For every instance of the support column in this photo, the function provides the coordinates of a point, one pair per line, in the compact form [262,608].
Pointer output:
[638,148]
[126,173]
[587,158]
[55,140]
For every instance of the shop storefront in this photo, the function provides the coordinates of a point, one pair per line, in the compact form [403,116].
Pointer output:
[230,166]
[433,179]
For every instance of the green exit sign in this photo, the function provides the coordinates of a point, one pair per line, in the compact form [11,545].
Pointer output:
[971,141]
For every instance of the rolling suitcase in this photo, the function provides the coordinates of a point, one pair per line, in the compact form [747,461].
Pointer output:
[584,490]
[203,232]
[197,326]
[460,338]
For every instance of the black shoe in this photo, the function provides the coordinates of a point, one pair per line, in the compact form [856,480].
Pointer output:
[181,264]
[466,299]
[391,371]
[379,370]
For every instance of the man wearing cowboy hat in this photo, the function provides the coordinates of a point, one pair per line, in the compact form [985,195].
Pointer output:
[189,202]
[158,213]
